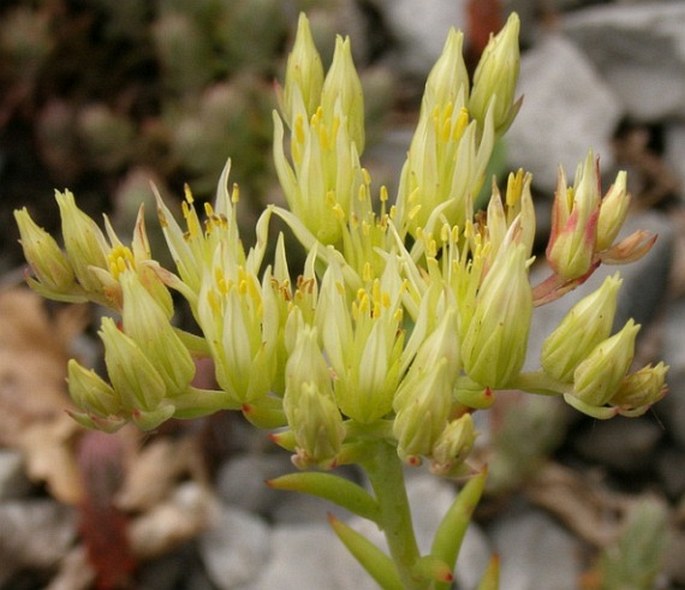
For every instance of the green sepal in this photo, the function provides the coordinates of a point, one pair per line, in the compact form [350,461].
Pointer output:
[333,488]
[431,568]
[266,413]
[284,439]
[196,402]
[490,579]
[452,528]
[377,564]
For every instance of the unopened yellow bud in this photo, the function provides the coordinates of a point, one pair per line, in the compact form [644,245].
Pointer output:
[597,378]
[612,212]
[342,85]
[309,403]
[587,324]
[84,242]
[422,407]
[48,262]
[448,79]
[453,446]
[496,339]
[101,406]
[303,74]
[638,391]
[496,76]
[148,325]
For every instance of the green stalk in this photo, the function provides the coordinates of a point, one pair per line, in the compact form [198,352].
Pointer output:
[384,470]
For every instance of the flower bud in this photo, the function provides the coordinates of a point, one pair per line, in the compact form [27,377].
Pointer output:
[303,74]
[342,85]
[496,337]
[84,242]
[496,76]
[448,79]
[612,212]
[101,407]
[597,378]
[138,384]
[638,391]
[575,211]
[453,446]
[48,262]
[422,407]
[147,324]
[587,324]
[309,404]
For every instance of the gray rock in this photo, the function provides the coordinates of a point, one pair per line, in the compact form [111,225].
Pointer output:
[420,31]
[240,481]
[236,547]
[622,444]
[13,480]
[670,464]
[675,154]
[35,534]
[536,553]
[640,51]
[567,109]
[671,409]
[310,556]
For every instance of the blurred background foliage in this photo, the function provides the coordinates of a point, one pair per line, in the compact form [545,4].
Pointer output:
[105,96]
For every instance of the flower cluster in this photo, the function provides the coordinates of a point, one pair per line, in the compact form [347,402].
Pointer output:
[403,321]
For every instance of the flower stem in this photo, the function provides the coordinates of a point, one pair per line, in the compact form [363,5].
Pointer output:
[384,470]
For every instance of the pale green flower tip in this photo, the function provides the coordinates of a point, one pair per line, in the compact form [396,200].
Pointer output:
[137,383]
[640,390]
[90,392]
[317,424]
[84,242]
[496,76]
[588,323]
[304,72]
[448,77]
[496,339]
[453,446]
[342,83]
[612,213]
[598,377]
[48,262]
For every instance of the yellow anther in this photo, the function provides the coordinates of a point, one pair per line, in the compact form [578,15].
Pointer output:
[514,188]
[120,258]
[367,273]
[461,124]
[188,194]
[235,193]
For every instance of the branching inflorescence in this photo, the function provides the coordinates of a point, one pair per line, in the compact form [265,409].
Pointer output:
[405,319]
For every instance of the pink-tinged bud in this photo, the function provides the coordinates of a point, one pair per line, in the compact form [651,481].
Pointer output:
[575,213]
[587,324]
[50,265]
[597,378]
[638,391]
[612,212]
[453,446]
[496,338]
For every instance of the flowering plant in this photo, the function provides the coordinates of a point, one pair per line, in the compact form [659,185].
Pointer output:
[404,320]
